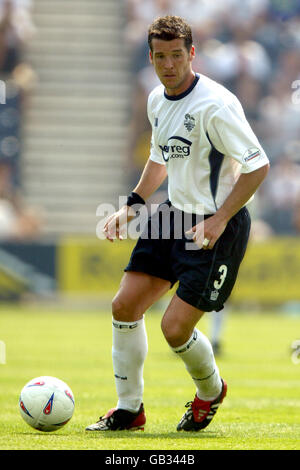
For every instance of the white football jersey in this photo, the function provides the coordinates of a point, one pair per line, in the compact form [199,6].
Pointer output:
[205,141]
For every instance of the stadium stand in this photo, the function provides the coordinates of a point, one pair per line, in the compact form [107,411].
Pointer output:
[17,221]
[75,125]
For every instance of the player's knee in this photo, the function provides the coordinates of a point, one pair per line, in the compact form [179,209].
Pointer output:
[122,310]
[173,332]
[119,309]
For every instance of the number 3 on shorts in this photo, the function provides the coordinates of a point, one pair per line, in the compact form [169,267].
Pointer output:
[223,273]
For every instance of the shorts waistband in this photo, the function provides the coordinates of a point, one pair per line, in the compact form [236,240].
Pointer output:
[205,216]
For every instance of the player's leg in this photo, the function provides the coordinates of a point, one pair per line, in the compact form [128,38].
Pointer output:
[148,276]
[137,292]
[206,279]
[193,347]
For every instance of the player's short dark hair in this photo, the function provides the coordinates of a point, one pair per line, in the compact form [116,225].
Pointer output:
[168,28]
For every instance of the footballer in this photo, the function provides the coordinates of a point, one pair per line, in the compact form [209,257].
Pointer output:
[202,142]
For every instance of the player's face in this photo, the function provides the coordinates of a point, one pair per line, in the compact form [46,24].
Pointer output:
[173,64]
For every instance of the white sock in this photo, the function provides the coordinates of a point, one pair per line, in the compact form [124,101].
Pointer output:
[129,352]
[198,357]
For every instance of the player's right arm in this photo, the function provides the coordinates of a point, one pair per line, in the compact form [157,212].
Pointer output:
[151,179]
[153,175]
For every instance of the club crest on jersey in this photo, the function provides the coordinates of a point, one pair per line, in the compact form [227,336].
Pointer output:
[189,122]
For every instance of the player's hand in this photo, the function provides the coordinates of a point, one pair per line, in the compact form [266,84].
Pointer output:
[116,224]
[207,232]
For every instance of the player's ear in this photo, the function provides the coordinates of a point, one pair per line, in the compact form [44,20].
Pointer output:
[150,57]
[192,53]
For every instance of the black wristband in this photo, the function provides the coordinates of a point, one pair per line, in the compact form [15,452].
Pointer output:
[134,199]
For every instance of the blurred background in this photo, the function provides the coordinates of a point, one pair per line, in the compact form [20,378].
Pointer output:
[74,135]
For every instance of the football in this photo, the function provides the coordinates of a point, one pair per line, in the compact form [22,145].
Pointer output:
[46,403]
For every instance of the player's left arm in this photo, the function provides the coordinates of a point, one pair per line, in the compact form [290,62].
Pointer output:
[214,226]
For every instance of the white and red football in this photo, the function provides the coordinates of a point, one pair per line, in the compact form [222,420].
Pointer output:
[46,403]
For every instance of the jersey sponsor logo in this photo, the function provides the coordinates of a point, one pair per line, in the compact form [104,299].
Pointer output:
[251,154]
[175,149]
[189,122]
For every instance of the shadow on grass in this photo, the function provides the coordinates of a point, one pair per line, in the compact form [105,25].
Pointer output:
[127,434]
[155,435]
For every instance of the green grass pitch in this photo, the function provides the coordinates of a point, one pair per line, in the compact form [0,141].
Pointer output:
[261,410]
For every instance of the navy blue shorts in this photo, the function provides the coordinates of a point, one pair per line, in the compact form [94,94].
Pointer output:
[206,277]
